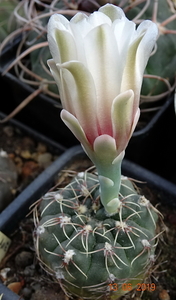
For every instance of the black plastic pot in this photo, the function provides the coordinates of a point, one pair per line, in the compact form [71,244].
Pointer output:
[18,209]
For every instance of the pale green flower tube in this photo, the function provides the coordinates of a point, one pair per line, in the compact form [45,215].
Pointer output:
[98,64]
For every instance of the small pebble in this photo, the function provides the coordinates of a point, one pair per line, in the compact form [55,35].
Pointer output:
[29,270]
[45,159]
[25,154]
[36,286]
[24,259]
[15,287]
[27,292]
[3,153]
[3,273]
[27,143]
[19,164]
[9,131]
[47,294]
[163,295]
[41,148]
[29,169]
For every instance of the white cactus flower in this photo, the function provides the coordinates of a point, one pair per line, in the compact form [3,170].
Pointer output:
[98,64]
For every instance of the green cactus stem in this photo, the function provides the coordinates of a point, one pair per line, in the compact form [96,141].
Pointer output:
[88,251]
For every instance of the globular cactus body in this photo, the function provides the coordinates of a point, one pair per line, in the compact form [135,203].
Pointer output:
[86,249]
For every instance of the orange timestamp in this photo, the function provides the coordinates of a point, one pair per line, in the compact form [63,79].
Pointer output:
[126,287]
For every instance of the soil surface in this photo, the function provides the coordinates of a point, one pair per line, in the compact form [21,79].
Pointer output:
[26,156]
[21,271]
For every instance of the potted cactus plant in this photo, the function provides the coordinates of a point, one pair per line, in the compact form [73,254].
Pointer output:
[92,234]
[161,189]
[98,221]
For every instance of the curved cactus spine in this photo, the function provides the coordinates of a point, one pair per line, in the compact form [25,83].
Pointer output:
[87,250]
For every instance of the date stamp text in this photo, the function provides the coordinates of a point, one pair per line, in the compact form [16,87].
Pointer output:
[140,287]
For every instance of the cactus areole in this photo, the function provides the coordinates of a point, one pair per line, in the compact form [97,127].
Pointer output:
[98,230]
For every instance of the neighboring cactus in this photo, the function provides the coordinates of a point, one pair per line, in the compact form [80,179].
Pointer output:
[85,249]
[160,73]
[8,21]
[159,78]
[33,52]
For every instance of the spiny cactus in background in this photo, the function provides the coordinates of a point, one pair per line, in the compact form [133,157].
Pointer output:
[98,231]
[159,79]
[89,252]
[160,73]
[8,22]
[38,57]
[33,52]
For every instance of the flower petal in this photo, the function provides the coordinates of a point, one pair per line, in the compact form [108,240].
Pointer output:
[135,121]
[54,70]
[65,94]
[137,57]
[105,149]
[72,123]
[122,118]
[150,31]
[62,44]
[112,11]
[79,27]
[98,18]
[56,23]
[125,32]
[80,24]
[101,47]
[84,97]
